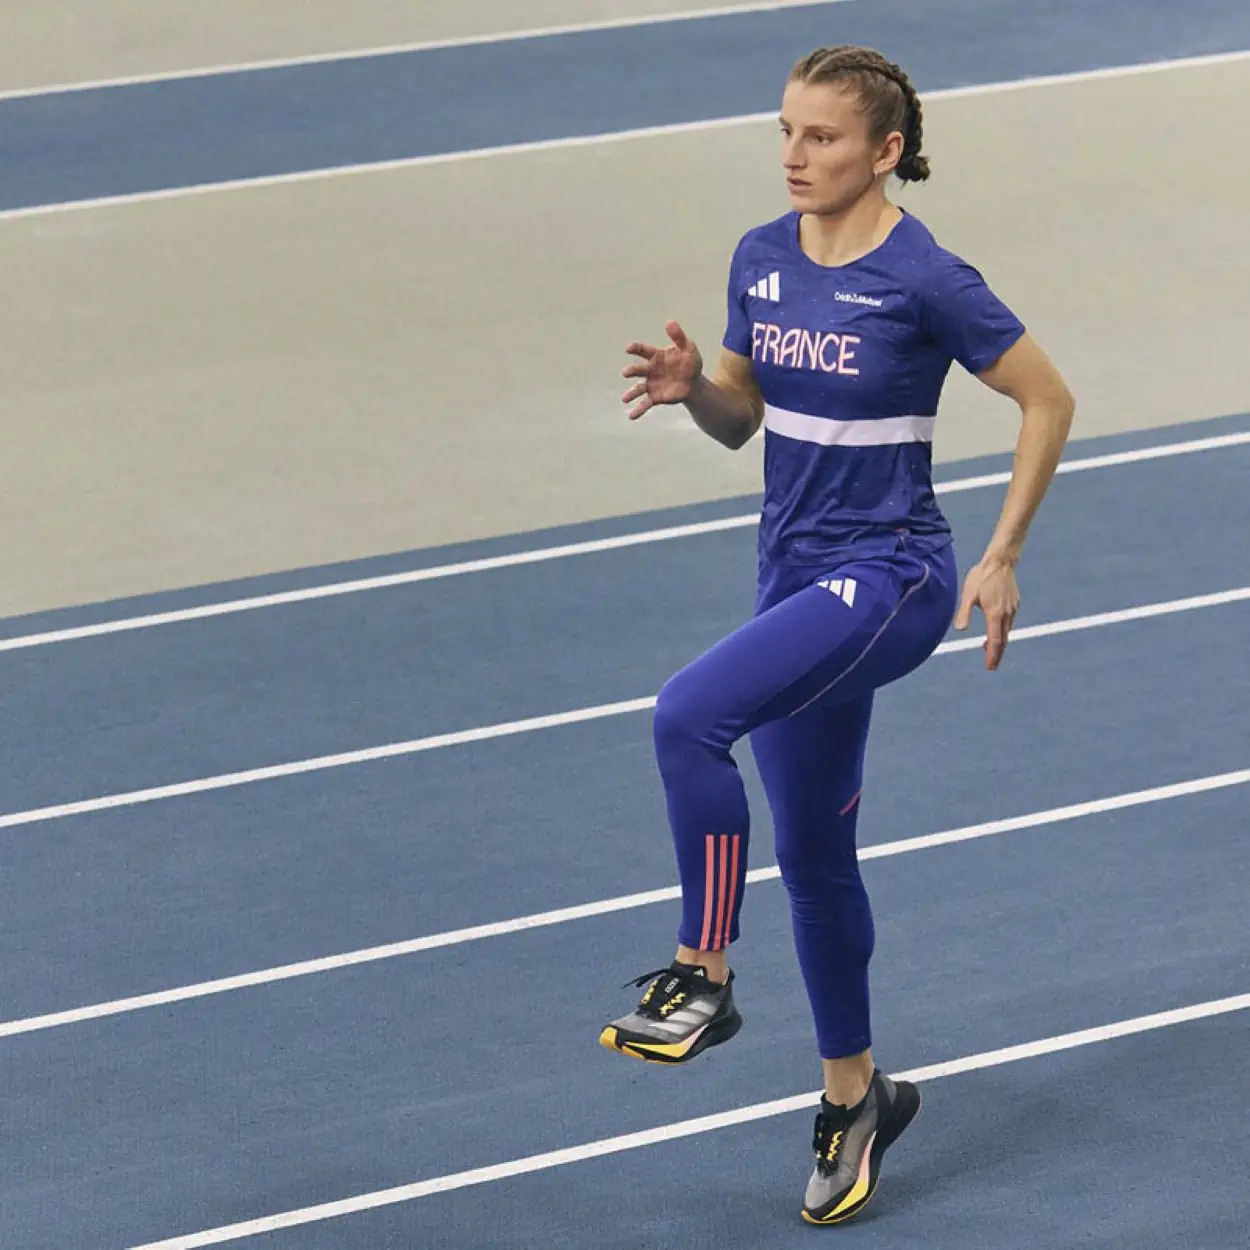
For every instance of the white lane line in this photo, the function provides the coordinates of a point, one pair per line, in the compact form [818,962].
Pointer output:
[602,907]
[577,141]
[224,781]
[542,554]
[424,45]
[691,1128]
[369,754]
[1119,617]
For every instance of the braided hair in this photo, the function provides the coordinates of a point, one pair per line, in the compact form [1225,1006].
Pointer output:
[884,91]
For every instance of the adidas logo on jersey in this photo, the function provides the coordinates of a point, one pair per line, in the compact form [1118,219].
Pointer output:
[844,588]
[768,288]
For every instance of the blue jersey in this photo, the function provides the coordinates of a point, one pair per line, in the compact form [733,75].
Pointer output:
[851,361]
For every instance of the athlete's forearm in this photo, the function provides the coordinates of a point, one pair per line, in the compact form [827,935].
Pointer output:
[723,412]
[1043,433]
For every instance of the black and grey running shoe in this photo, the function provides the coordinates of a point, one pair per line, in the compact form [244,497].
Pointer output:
[849,1143]
[681,1014]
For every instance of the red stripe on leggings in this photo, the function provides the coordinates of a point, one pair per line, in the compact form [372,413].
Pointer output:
[733,892]
[709,890]
[724,872]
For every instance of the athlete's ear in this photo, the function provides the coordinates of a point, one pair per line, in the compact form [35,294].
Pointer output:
[890,154]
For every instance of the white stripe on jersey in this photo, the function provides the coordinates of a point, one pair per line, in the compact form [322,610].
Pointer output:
[881,432]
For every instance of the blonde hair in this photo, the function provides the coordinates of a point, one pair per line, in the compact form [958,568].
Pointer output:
[885,93]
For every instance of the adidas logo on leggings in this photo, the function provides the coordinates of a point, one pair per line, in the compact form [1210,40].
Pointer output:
[844,588]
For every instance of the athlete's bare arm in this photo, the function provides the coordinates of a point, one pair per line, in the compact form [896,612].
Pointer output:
[728,406]
[1023,373]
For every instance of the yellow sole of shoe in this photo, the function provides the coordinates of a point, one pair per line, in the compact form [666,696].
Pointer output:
[610,1039]
[846,1215]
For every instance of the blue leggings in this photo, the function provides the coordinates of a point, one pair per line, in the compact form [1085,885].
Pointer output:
[799,679]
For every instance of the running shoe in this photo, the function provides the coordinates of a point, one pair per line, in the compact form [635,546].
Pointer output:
[681,1014]
[849,1143]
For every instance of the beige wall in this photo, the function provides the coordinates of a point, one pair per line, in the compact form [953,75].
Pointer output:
[48,42]
[242,382]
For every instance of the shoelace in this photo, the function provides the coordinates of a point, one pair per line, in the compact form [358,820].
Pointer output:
[660,999]
[827,1142]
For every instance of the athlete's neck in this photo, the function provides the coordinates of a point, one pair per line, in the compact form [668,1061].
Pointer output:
[843,237]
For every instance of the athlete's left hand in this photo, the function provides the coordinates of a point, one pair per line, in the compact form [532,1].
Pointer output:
[991,586]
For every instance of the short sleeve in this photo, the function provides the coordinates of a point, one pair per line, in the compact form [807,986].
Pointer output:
[964,316]
[738,323]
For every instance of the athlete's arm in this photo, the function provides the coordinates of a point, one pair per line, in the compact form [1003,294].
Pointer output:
[728,407]
[1026,375]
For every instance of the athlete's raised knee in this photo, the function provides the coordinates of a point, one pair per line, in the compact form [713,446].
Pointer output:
[685,718]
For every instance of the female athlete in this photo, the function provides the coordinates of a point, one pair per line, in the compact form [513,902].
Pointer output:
[844,318]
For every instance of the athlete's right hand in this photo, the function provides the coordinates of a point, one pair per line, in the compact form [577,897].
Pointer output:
[668,373]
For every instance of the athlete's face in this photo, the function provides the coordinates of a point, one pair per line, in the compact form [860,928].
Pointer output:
[826,149]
